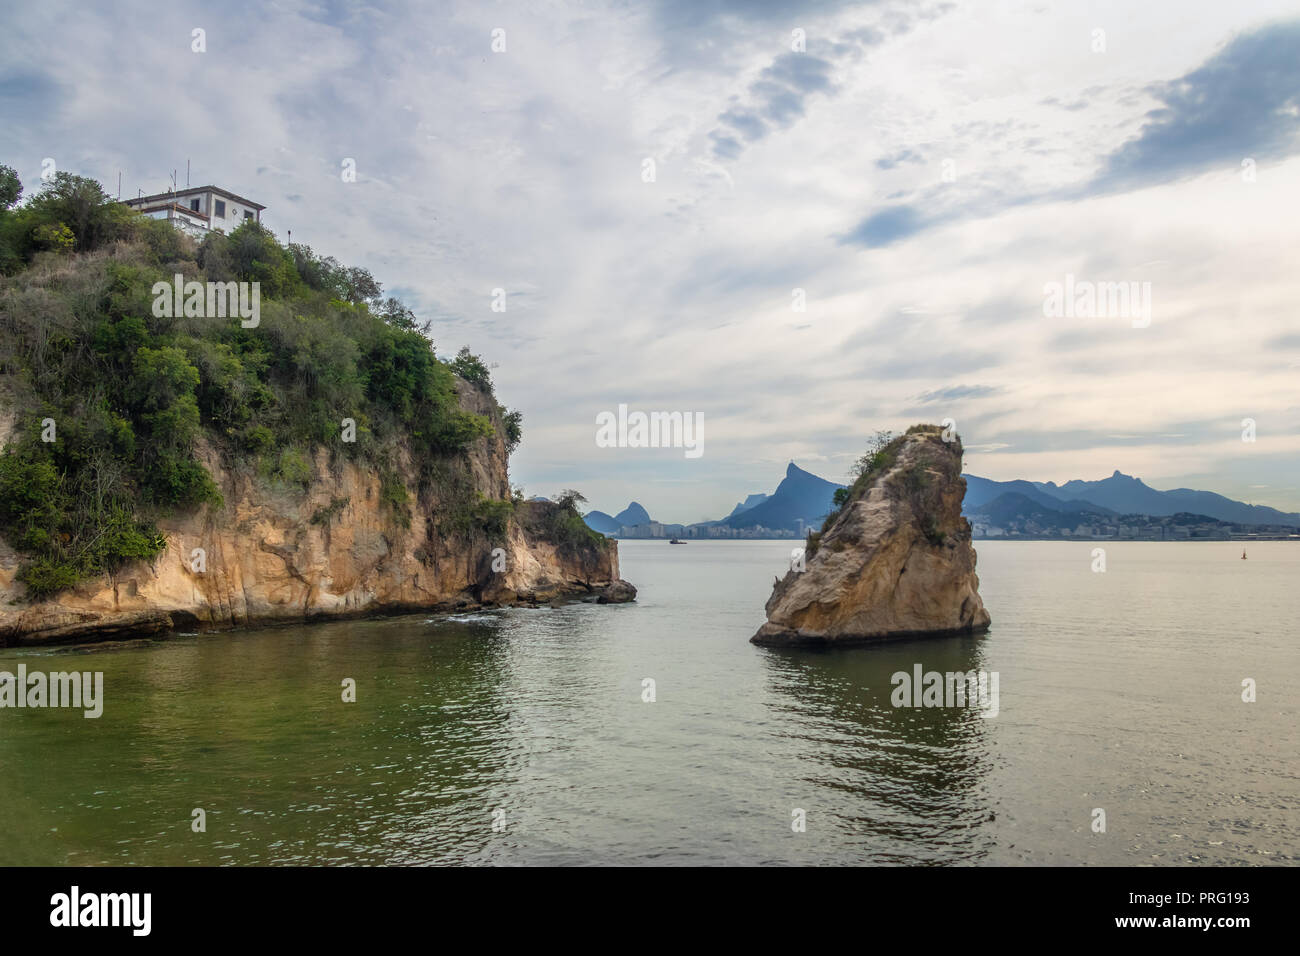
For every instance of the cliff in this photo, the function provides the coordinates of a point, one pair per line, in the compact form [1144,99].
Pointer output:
[273,553]
[895,561]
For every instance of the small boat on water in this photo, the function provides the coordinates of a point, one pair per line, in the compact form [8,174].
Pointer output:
[676,541]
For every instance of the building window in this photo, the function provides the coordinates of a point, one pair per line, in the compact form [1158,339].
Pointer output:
[194,205]
[247,214]
[220,209]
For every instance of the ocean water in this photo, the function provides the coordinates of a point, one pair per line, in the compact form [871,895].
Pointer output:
[523,737]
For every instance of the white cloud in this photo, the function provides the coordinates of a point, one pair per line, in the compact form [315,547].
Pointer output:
[522,170]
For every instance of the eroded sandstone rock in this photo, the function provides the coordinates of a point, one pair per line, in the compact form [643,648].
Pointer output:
[275,554]
[896,562]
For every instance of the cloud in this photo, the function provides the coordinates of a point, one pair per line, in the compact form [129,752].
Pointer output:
[677,15]
[1071,107]
[778,97]
[523,171]
[29,94]
[886,227]
[775,100]
[745,123]
[1242,102]
[902,156]
[724,146]
[956,392]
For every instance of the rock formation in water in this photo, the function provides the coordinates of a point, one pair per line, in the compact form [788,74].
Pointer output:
[272,554]
[895,561]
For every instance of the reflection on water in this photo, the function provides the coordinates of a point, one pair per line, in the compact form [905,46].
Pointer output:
[1118,691]
[905,784]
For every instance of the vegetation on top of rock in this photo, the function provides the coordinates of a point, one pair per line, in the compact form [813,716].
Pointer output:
[881,455]
[561,521]
[115,404]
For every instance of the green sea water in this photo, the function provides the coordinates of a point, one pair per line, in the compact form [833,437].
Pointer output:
[524,736]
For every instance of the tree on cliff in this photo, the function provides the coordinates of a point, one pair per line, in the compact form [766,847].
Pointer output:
[568,498]
[11,188]
[874,458]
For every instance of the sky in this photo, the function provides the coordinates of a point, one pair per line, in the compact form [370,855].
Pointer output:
[658,187]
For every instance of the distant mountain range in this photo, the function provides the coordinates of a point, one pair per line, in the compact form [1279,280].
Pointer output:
[803,495]
[1119,494]
[630,516]
[748,503]
[1012,506]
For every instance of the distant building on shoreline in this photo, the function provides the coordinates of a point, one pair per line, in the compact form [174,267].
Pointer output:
[656,529]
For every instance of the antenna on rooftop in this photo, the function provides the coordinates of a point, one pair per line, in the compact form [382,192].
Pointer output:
[187,174]
[173,180]
[119,185]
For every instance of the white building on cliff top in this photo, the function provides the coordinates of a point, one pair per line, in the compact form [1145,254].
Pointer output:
[198,210]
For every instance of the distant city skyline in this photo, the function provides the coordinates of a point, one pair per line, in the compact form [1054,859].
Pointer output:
[801,227]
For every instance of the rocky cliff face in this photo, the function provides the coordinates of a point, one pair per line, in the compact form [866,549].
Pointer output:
[337,549]
[896,562]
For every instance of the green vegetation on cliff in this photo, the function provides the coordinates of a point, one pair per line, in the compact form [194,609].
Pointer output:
[881,455]
[114,402]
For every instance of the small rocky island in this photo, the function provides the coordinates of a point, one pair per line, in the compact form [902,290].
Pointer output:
[895,560]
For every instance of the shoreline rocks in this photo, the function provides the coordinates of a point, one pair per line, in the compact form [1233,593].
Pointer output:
[275,555]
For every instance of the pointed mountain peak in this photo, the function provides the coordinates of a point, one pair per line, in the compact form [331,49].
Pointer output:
[633,514]
[1128,478]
